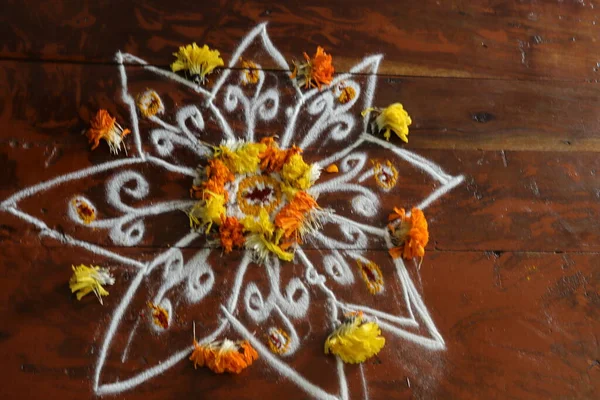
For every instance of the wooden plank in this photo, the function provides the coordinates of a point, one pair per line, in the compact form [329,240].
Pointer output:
[446,113]
[510,201]
[518,325]
[499,39]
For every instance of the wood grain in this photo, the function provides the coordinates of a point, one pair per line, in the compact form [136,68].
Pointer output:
[488,38]
[446,113]
[511,201]
[518,325]
[502,92]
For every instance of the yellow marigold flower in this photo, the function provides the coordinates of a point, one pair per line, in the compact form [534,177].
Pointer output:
[251,73]
[410,234]
[299,174]
[103,126]
[347,94]
[354,341]
[207,212]
[90,279]
[224,356]
[262,238]
[197,61]
[314,72]
[393,118]
[240,158]
[160,316]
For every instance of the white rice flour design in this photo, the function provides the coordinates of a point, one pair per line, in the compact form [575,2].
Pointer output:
[325,121]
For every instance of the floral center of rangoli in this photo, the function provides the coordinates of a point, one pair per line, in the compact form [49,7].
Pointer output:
[256,196]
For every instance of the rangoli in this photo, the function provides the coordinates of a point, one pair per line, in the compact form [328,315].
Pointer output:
[271,305]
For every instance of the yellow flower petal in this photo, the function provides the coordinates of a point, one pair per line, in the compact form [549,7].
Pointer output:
[299,174]
[241,158]
[198,61]
[392,118]
[90,279]
[208,211]
[355,340]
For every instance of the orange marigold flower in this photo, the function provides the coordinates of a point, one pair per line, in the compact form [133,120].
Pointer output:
[225,356]
[217,170]
[217,175]
[409,234]
[231,233]
[273,158]
[295,217]
[160,316]
[103,126]
[214,185]
[316,71]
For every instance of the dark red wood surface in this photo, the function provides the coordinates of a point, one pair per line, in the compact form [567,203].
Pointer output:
[502,92]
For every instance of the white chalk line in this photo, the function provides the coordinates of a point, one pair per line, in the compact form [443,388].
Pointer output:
[364,382]
[66,239]
[30,191]
[171,167]
[131,104]
[127,384]
[281,367]
[431,168]
[322,123]
[131,335]
[279,303]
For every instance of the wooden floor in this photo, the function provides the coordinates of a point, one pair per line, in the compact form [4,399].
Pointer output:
[503,93]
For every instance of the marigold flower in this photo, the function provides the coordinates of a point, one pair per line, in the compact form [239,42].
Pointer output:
[251,72]
[347,94]
[262,238]
[160,316]
[231,233]
[296,218]
[261,177]
[355,340]
[299,174]
[149,103]
[90,279]
[207,212]
[273,158]
[393,118]
[242,158]
[314,72]
[197,61]
[224,356]
[217,175]
[410,234]
[103,126]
